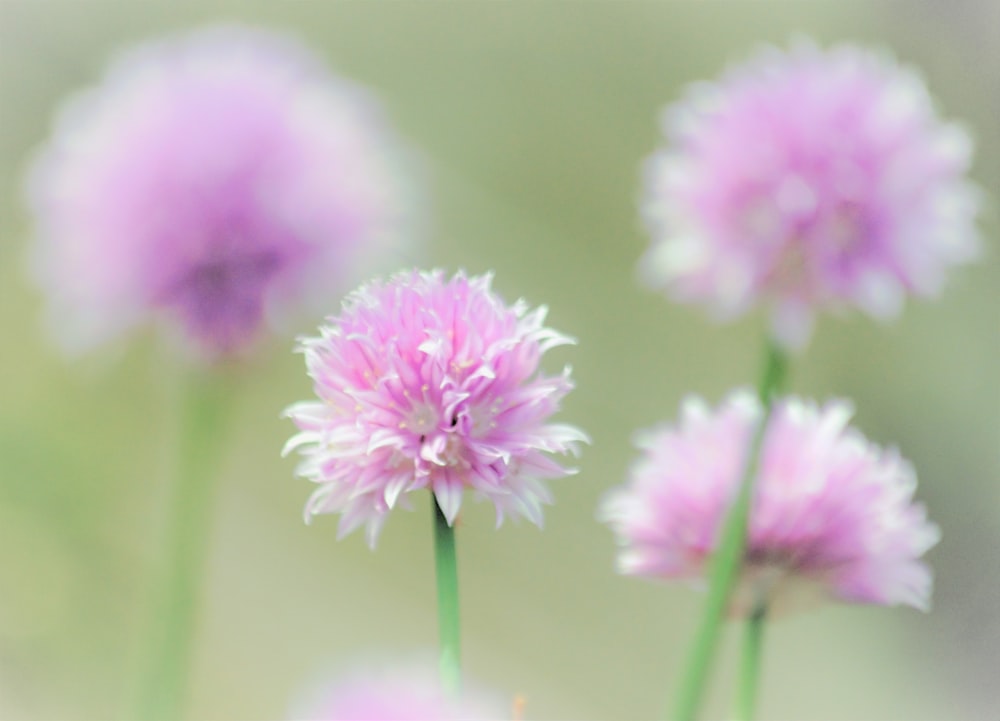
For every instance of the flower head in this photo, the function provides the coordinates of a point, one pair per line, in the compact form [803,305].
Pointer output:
[399,694]
[806,180]
[221,179]
[830,509]
[425,382]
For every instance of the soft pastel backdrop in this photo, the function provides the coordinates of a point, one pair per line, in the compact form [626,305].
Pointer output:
[532,118]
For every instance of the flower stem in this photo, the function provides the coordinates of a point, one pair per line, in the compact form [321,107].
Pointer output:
[750,666]
[725,563]
[163,688]
[447,598]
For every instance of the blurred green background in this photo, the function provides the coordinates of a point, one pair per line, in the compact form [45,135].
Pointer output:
[532,119]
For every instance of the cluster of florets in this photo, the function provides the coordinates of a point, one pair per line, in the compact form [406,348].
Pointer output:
[431,383]
[220,179]
[398,693]
[807,180]
[831,512]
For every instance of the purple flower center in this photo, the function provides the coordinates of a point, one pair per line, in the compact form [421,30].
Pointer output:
[221,299]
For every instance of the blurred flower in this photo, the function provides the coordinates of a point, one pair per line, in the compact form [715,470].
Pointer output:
[408,694]
[221,178]
[806,180]
[832,512]
[430,383]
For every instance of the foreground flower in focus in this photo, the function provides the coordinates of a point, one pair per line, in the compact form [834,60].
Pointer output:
[831,513]
[222,179]
[426,382]
[807,180]
[414,694]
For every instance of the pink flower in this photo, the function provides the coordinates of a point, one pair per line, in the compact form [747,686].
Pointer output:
[431,383]
[807,180]
[830,509]
[221,179]
[408,694]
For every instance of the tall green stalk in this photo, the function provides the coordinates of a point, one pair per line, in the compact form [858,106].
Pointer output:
[725,563]
[753,637]
[163,688]
[446,565]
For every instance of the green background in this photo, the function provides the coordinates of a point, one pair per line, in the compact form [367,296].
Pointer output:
[532,119]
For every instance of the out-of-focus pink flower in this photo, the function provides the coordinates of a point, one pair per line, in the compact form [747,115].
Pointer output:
[222,179]
[407,694]
[807,180]
[426,382]
[831,513]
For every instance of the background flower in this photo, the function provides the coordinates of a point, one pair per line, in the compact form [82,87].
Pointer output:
[426,382]
[807,179]
[398,694]
[222,178]
[830,509]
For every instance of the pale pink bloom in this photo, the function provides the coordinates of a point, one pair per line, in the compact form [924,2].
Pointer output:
[399,694]
[426,382]
[832,512]
[222,179]
[806,180]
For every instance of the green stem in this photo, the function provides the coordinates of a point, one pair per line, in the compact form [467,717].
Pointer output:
[447,598]
[163,688]
[725,563]
[750,666]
